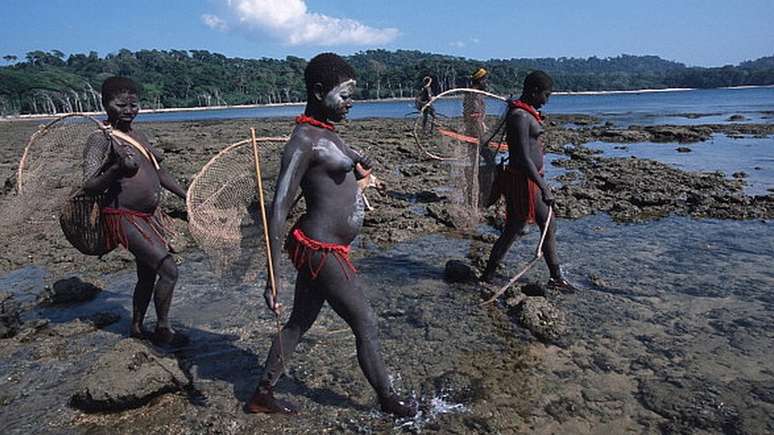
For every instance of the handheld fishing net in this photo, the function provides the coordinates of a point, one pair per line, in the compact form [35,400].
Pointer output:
[224,212]
[50,172]
[57,160]
[462,133]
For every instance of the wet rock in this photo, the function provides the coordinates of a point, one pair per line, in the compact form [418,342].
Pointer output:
[621,135]
[735,118]
[688,404]
[633,190]
[683,150]
[676,133]
[458,387]
[127,377]
[102,320]
[458,271]
[562,409]
[740,174]
[31,329]
[9,185]
[70,291]
[542,318]
[10,323]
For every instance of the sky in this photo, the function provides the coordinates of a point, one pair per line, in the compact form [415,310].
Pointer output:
[694,32]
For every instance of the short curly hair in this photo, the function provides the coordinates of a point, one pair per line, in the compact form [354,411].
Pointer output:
[328,69]
[538,81]
[115,85]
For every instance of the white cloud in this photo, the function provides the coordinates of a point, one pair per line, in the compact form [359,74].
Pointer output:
[457,44]
[292,23]
[214,22]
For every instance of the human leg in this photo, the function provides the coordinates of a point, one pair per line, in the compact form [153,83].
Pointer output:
[150,250]
[556,281]
[143,291]
[513,229]
[344,293]
[307,302]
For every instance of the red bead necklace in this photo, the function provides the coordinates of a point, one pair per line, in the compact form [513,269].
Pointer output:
[527,107]
[303,119]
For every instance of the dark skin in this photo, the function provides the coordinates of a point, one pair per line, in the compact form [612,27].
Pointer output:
[525,144]
[131,182]
[327,170]
[424,97]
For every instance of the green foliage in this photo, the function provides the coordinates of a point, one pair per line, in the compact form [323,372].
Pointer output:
[47,82]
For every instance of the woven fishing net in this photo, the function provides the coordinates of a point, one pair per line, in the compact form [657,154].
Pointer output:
[454,135]
[224,214]
[50,170]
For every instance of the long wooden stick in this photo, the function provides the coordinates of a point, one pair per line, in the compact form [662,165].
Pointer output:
[538,256]
[259,186]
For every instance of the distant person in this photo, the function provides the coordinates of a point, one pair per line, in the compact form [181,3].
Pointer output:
[473,105]
[424,96]
[527,195]
[131,178]
[327,171]
[474,118]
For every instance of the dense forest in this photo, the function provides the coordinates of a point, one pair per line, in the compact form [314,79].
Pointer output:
[50,82]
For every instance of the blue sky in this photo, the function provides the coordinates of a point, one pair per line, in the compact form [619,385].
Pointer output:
[704,33]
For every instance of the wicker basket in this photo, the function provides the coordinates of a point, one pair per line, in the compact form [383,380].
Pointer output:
[84,226]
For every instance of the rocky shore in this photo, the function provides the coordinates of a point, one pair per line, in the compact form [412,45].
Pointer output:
[60,305]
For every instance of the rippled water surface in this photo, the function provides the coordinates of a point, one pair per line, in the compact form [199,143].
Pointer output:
[676,303]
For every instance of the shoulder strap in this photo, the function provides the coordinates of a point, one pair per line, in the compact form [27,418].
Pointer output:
[131,141]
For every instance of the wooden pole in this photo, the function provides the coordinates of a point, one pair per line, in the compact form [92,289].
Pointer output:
[538,256]
[259,187]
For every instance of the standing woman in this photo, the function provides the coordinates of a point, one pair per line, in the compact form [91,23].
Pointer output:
[327,170]
[131,179]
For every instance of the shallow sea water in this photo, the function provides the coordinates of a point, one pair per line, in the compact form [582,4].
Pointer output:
[672,329]
[751,155]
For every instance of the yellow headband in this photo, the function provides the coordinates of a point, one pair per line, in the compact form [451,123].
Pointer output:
[479,74]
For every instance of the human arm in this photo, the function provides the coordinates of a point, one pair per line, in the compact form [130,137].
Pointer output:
[296,159]
[362,163]
[101,166]
[170,183]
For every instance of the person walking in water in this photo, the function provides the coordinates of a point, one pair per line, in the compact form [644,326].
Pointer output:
[327,170]
[527,194]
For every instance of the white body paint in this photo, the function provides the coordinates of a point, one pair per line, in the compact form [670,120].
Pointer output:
[356,219]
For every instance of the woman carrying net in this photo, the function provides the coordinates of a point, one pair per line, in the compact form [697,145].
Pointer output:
[128,173]
[326,169]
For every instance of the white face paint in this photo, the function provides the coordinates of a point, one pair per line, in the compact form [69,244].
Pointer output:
[338,101]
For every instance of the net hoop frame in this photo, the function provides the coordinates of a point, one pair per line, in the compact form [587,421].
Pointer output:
[190,207]
[445,94]
[42,130]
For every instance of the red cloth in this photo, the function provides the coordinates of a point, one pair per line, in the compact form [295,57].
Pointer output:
[116,234]
[301,250]
[520,194]
[303,119]
[528,108]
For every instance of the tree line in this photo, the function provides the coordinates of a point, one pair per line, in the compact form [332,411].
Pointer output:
[50,82]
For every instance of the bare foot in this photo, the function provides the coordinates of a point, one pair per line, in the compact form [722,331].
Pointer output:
[138,332]
[168,339]
[264,402]
[391,404]
[562,285]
